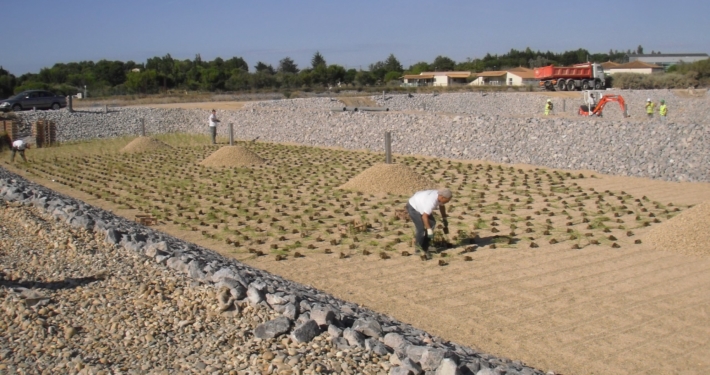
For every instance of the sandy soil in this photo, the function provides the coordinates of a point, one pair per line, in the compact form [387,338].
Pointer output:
[634,310]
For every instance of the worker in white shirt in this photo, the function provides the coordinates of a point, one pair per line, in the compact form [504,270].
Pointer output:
[213,126]
[421,208]
[19,146]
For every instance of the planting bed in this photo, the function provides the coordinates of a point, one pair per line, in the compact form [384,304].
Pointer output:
[292,206]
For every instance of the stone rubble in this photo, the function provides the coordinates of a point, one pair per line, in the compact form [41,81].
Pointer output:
[86,292]
[497,126]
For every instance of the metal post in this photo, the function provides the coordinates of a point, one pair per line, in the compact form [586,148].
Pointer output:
[105,108]
[626,111]
[564,105]
[383,95]
[231,134]
[143,127]
[70,104]
[388,147]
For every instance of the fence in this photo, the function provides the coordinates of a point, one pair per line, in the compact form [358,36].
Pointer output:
[45,133]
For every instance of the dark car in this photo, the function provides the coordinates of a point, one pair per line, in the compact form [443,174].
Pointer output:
[29,99]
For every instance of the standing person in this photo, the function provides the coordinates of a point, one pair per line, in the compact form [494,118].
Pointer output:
[420,208]
[19,146]
[663,110]
[650,106]
[592,103]
[213,126]
[548,107]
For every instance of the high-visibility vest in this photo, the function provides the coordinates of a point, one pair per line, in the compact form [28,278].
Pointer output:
[663,110]
[649,107]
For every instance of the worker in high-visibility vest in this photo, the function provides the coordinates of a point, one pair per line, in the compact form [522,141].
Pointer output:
[650,106]
[663,110]
[548,107]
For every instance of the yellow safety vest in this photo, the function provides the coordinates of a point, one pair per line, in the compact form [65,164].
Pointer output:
[649,107]
[663,110]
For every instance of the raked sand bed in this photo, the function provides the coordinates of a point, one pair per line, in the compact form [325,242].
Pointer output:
[633,310]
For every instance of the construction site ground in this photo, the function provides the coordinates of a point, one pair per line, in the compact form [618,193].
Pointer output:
[598,310]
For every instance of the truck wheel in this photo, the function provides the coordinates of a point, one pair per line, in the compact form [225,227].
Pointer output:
[561,85]
[585,85]
[598,85]
[570,85]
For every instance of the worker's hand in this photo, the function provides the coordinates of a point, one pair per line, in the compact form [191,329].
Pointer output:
[430,233]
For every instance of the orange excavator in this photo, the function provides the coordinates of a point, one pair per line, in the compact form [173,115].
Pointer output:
[597,110]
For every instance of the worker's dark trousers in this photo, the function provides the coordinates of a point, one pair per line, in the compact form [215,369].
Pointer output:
[213,134]
[22,153]
[422,240]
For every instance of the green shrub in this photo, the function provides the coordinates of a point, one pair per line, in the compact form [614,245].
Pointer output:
[638,81]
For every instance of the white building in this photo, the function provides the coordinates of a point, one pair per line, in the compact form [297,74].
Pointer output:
[436,79]
[512,77]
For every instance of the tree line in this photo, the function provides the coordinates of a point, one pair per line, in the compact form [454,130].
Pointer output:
[162,74]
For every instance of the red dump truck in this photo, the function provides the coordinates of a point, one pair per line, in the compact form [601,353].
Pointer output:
[570,78]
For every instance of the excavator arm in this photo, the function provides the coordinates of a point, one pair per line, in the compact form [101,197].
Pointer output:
[607,99]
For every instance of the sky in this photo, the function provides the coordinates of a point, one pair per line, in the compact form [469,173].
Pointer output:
[353,34]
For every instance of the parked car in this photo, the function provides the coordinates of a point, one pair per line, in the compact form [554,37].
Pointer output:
[29,99]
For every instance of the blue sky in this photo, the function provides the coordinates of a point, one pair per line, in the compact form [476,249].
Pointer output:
[39,33]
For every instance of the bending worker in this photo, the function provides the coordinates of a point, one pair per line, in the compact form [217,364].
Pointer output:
[19,146]
[421,208]
[548,107]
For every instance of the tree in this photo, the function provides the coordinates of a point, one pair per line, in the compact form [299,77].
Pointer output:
[318,60]
[639,50]
[142,82]
[392,64]
[263,68]
[7,83]
[419,67]
[391,76]
[286,65]
[236,63]
[443,64]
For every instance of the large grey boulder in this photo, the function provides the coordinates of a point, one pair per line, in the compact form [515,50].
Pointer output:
[306,331]
[447,367]
[272,328]
[368,327]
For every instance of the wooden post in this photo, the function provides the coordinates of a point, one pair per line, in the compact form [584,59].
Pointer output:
[564,105]
[70,103]
[231,134]
[388,147]
[143,127]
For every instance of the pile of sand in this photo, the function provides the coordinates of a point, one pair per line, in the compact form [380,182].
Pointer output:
[687,233]
[388,178]
[143,144]
[232,156]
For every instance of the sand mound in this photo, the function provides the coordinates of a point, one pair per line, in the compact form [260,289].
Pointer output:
[143,144]
[687,233]
[388,178]
[232,156]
